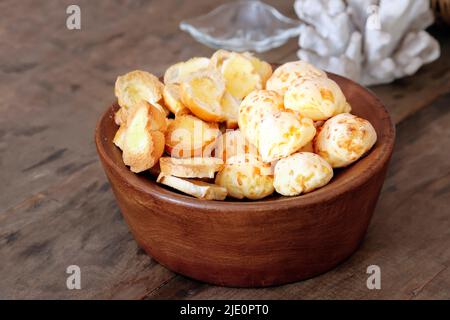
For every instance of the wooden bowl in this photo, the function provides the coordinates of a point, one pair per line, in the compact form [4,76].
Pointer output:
[254,243]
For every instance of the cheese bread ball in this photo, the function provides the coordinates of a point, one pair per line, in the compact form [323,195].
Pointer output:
[317,99]
[343,139]
[244,176]
[199,189]
[282,133]
[301,172]
[253,109]
[285,75]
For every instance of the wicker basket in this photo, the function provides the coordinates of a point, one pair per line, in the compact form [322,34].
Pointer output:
[441,10]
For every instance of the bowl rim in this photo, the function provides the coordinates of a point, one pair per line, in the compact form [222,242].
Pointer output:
[152,189]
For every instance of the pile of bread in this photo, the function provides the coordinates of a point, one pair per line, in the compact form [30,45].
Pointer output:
[231,126]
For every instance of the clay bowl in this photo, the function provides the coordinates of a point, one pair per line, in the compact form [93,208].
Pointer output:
[254,243]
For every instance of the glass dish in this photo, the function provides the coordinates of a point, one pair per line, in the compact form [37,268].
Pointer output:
[243,26]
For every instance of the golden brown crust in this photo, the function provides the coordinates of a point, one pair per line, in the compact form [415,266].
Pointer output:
[188,136]
[190,167]
[172,99]
[199,189]
[119,137]
[137,85]
[140,139]
[202,94]
[230,107]
[180,71]
[120,117]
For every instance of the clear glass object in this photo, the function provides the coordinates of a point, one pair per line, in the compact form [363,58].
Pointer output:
[243,26]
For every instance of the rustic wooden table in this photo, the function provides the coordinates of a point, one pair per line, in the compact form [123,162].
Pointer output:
[56,206]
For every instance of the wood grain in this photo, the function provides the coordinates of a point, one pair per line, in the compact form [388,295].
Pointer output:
[55,84]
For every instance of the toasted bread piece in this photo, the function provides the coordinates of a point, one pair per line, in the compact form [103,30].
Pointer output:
[240,75]
[343,139]
[188,136]
[218,58]
[282,133]
[119,137]
[159,140]
[197,167]
[120,117]
[243,177]
[141,146]
[202,94]
[199,189]
[253,109]
[137,85]
[232,143]
[263,68]
[230,107]
[317,99]
[301,173]
[285,75]
[172,99]
[178,72]
[158,120]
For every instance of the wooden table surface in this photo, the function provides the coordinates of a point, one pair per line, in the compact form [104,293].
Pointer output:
[56,206]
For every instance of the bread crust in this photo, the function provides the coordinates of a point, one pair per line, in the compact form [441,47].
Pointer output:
[202,94]
[188,136]
[141,138]
[199,189]
[178,72]
[198,167]
[172,99]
